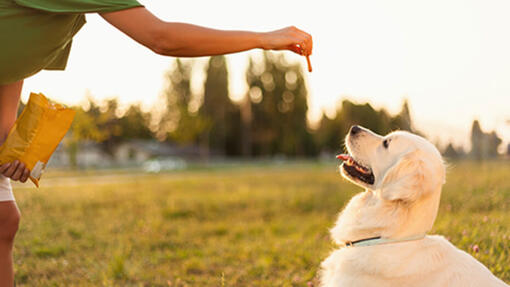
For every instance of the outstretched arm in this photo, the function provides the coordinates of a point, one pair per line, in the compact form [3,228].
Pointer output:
[186,40]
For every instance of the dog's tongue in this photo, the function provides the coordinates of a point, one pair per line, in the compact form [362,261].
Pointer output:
[343,157]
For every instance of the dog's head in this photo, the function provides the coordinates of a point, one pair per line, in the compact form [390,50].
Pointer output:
[403,174]
[401,166]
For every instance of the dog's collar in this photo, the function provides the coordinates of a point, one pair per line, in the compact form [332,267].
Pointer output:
[380,240]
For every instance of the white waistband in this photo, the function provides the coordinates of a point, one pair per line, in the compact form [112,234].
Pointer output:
[5,189]
[4,182]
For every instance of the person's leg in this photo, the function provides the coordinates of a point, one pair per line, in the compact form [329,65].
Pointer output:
[9,220]
[9,101]
[9,213]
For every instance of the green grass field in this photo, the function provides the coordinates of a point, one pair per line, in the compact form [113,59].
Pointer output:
[247,226]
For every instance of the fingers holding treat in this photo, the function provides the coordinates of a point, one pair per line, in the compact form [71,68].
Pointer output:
[304,52]
[296,49]
[290,38]
[305,49]
[306,44]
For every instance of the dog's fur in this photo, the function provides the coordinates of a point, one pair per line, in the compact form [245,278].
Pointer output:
[403,201]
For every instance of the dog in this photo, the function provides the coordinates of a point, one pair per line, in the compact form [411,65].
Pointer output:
[382,231]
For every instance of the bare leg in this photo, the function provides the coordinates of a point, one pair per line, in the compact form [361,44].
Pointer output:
[9,213]
[9,220]
[9,100]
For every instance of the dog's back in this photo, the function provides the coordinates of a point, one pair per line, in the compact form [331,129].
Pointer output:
[432,261]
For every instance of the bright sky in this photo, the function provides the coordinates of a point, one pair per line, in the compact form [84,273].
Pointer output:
[450,59]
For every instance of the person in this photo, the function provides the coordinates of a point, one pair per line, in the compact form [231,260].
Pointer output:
[37,35]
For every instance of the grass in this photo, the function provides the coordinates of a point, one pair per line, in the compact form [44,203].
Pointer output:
[248,226]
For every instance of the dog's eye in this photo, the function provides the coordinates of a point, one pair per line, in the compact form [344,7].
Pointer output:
[386,143]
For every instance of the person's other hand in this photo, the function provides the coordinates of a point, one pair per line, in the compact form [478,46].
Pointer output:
[290,38]
[15,170]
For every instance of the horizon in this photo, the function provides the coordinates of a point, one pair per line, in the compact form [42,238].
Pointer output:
[451,72]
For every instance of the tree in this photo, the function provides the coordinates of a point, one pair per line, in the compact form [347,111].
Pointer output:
[483,145]
[134,124]
[103,125]
[402,120]
[84,127]
[332,131]
[278,98]
[178,123]
[453,153]
[222,131]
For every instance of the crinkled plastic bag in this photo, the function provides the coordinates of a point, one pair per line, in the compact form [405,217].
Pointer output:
[36,134]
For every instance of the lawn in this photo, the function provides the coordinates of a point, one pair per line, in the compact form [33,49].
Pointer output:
[240,226]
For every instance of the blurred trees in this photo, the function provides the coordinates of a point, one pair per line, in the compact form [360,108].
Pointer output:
[483,145]
[271,120]
[452,152]
[221,134]
[277,107]
[84,127]
[403,120]
[106,127]
[332,131]
[114,128]
[179,123]
[212,121]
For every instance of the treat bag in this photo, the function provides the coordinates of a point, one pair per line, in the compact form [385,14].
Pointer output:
[36,134]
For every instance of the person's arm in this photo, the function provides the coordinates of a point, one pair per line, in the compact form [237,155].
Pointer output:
[186,40]
[9,100]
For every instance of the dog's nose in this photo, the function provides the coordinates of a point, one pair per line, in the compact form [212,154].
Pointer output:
[355,130]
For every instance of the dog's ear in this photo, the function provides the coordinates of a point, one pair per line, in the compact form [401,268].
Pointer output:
[406,180]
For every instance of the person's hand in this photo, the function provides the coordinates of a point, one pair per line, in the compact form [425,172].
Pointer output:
[290,38]
[15,170]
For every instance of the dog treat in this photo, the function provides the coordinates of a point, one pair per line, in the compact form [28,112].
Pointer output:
[309,63]
[36,134]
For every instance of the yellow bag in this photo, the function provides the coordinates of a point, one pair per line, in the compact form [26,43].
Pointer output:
[36,134]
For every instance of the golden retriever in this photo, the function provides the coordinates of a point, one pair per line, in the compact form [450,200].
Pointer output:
[382,231]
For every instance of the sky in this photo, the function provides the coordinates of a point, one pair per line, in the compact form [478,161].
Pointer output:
[449,59]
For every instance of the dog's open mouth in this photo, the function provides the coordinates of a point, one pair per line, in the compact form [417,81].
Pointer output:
[356,170]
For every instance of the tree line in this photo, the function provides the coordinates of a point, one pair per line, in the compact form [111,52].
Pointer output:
[270,120]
